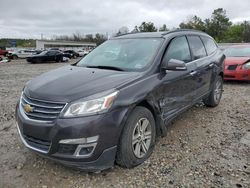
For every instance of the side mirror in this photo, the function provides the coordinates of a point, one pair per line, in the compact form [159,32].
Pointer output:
[174,64]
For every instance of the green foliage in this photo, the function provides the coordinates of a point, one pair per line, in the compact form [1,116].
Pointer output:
[164,28]
[29,43]
[218,25]
[97,38]
[246,31]
[147,27]
[193,23]
[234,33]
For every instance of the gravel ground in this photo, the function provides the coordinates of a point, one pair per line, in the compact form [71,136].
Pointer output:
[204,147]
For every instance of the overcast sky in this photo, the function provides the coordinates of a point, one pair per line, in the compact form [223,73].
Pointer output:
[30,18]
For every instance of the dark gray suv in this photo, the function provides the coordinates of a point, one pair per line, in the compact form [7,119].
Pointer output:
[110,106]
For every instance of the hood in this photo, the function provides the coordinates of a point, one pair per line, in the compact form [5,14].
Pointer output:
[236,60]
[70,83]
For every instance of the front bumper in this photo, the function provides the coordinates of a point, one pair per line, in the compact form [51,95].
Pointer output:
[238,74]
[46,138]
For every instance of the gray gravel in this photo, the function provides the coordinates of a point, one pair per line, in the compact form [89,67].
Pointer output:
[204,147]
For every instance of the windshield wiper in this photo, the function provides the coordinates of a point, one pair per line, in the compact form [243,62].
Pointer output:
[105,67]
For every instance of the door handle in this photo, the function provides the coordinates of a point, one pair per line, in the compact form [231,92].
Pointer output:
[193,73]
[211,65]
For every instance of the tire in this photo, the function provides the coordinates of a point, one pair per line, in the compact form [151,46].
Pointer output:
[215,95]
[59,60]
[38,61]
[131,154]
[15,57]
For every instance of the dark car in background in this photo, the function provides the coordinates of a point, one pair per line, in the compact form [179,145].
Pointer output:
[237,63]
[110,106]
[72,53]
[47,56]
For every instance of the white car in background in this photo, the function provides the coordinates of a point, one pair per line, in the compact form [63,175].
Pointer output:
[82,53]
[23,53]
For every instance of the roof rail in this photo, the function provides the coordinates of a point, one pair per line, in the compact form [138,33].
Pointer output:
[179,30]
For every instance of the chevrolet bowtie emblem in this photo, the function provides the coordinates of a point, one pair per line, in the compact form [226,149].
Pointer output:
[27,108]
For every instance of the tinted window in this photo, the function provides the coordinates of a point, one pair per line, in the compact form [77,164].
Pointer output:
[52,53]
[209,45]
[197,47]
[178,49]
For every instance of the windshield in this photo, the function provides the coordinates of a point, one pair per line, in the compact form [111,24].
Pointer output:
[237,52]
[123,54]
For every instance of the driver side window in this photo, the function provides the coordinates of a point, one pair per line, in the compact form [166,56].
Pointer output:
[178,49]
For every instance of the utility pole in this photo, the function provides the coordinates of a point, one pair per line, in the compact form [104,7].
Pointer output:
[41,36]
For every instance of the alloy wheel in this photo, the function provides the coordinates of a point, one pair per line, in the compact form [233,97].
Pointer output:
[218,91]
[141,138]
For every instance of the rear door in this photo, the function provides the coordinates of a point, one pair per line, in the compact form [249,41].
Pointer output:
[177,89]
[203,73]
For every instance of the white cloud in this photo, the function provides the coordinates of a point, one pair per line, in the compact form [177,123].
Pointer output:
[30,18]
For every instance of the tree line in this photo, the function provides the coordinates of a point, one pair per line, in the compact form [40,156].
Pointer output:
[218,26]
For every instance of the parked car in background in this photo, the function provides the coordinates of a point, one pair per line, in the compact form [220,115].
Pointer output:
[47,56]
[237,63]
[111,105]
[82,53]
[3,51]
[22,53]
[72,53]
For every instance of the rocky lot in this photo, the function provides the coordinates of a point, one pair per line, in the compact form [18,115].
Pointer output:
[204,147]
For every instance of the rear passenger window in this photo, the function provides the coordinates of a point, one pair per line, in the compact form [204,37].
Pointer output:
[197,47]
[178,49]
[209,45]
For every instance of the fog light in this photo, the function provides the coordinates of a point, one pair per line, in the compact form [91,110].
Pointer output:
[82,147]
[86,151]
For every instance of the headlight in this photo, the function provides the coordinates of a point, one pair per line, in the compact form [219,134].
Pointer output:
[246,66]
[91,105]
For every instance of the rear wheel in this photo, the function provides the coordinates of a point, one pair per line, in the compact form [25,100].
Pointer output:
[37,61]
[59,59]
[137,139]
[215,95]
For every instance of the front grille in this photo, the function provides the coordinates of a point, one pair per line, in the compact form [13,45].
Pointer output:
[41,110]
[37,143]
[232,67]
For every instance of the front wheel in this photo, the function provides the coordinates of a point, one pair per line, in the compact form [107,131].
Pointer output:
[215,95]
[137,139]
[15,57]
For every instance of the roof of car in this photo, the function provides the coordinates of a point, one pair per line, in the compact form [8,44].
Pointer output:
[159,34]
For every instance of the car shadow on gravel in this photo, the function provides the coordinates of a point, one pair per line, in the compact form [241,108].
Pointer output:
[236,82]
